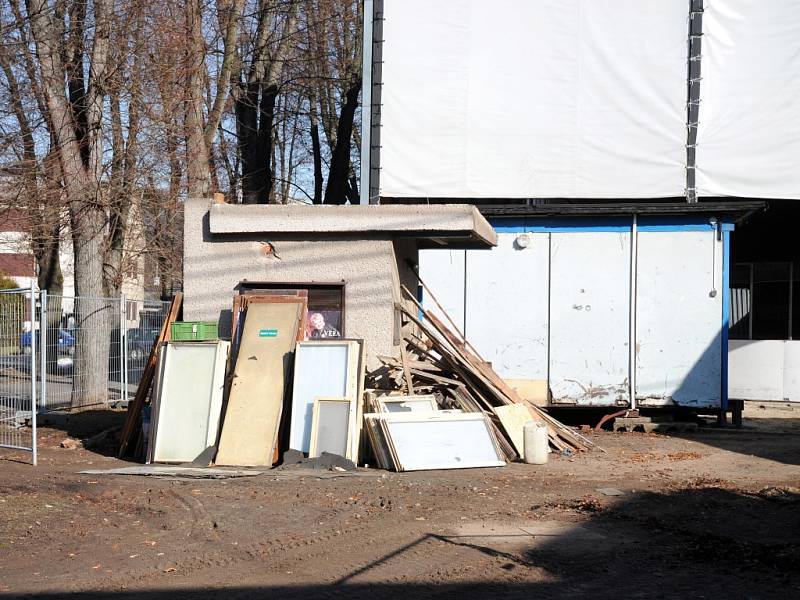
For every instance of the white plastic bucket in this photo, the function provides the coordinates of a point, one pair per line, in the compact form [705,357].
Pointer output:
[535,442]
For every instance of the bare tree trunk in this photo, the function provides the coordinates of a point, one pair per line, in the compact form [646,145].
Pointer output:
[198,169]
[338,189]
[316,150]
[76,118]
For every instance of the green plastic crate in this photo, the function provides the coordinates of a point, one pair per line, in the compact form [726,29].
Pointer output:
[194,330]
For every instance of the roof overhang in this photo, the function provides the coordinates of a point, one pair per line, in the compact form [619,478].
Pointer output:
[736,211]
[434,226]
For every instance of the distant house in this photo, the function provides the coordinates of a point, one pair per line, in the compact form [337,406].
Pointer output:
[16,258]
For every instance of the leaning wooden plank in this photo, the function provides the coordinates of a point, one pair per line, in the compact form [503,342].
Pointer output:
[406,370]
[483,375]
[250,429]
[411,297]
[513,418]
[460,364]
[361,372]
[133,419]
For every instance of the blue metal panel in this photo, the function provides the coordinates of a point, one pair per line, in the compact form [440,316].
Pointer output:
[602,224]
[726,281]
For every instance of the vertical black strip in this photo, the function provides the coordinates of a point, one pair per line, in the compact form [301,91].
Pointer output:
[377,87]
[694,45]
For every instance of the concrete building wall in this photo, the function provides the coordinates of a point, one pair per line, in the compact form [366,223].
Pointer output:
[368,264]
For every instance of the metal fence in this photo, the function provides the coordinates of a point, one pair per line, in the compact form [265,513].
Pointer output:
[95,349]
[18,370]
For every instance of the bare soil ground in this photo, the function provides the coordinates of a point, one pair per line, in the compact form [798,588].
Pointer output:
[714,513]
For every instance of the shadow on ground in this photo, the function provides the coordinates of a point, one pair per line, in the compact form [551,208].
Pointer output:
[99,429]
[702,542]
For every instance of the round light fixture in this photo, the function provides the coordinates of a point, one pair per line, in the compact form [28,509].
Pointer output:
[522,241]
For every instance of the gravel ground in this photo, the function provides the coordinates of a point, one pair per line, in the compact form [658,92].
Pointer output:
[713,513]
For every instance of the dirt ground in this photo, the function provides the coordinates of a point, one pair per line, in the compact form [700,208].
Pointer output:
[712,513]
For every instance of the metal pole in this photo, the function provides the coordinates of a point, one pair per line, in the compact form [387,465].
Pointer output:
[632,308]
[791,298]
[366,101]
[123,362]
[43,350]
[33,373]
[750,307]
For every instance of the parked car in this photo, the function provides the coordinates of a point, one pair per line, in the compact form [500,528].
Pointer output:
[66,341]
[140,342]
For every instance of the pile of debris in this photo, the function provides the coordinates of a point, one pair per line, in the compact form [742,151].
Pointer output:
[242,403]
[270,390]
[442,362]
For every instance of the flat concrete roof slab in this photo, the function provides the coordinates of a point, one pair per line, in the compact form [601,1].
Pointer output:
[447,225]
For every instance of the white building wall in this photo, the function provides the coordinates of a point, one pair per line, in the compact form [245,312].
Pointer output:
[560,310]
[767,370]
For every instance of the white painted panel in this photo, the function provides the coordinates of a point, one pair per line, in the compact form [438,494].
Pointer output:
[444,441]
[678,320]
[589,300]
[791,371]
[443,272]
[523,99]
[189,402]
[507,305]
[755,369]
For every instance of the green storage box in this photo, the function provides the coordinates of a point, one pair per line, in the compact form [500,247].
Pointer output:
[183,331]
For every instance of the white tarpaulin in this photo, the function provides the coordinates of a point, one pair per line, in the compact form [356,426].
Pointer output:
[748,139]
[544,98]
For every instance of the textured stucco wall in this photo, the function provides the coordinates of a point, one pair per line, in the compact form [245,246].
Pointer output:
[214,266]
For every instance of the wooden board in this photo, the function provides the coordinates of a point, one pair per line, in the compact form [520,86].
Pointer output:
[133,420]
[255,403]
[513,418]
[534,391]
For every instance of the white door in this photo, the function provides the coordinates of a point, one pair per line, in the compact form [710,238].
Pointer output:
[679,318]
[589,318]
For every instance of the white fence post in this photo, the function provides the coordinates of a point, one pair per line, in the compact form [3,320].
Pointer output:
[33,372]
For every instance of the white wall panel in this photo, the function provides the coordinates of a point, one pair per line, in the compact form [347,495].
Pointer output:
[755,369]
[507,299]
[443,272]
[589,312]
[791,371]
[748,139]
[678,322]
[518,99]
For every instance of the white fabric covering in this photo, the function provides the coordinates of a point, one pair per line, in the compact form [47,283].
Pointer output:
[534,98]
[749,124]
